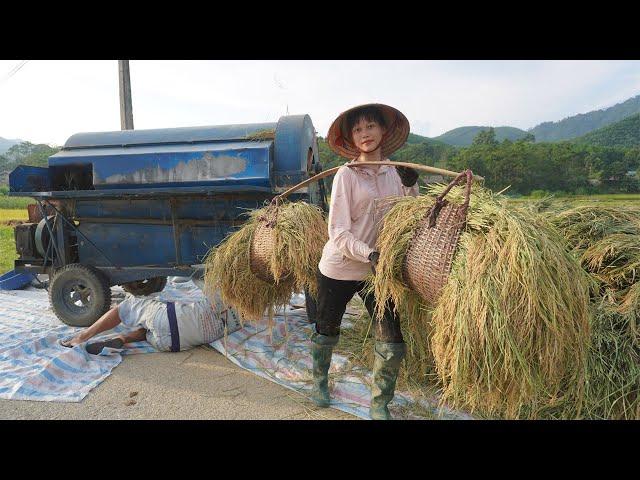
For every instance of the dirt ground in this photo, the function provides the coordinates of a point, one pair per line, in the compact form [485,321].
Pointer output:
[199,384]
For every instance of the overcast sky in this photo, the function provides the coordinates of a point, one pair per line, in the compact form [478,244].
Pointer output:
[47,101]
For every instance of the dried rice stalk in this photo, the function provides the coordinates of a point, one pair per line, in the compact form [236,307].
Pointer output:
[509,334]
[614,260]
[583,225]
[260,135]
[606,239]
[301,232]
[613,371]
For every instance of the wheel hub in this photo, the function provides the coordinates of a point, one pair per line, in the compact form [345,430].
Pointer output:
[77,296]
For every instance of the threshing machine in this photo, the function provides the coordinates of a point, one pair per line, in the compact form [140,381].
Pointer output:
[133,207]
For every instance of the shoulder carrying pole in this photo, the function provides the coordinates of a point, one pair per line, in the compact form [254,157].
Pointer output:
[333,170]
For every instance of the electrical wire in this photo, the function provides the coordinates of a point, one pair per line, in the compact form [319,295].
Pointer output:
[14,71]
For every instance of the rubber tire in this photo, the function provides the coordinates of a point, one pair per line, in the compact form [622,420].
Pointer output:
[152,285]
[91,278]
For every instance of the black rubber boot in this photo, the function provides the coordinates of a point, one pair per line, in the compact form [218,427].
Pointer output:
[321,350]
[388,357]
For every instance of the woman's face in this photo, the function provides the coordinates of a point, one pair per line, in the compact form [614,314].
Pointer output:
[367,135]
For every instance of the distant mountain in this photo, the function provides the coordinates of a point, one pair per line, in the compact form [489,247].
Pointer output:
[584,123]
[414,138]
[463,136]
[625,133]
[6,144]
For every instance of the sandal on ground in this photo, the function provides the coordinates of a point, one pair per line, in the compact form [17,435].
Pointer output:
[96,348]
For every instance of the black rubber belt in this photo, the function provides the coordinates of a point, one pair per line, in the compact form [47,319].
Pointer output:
[173,327]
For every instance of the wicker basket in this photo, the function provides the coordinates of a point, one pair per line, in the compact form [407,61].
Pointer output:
[262,244]
[428,260]
[261,250]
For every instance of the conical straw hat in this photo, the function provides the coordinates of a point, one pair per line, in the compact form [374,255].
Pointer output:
[397,132]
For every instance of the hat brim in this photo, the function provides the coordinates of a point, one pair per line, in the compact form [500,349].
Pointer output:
[394,138]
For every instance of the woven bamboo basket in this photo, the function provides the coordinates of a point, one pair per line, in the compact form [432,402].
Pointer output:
[427,263]
[262,244]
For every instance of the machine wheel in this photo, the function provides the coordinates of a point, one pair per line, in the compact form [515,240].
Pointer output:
[79,294]
[145,287]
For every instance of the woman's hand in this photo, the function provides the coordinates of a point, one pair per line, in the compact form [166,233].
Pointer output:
[373,258]
[408,176]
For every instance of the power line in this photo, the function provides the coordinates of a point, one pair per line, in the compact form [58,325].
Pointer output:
[14,71]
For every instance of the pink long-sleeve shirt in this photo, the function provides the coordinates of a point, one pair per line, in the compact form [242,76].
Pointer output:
[354,218]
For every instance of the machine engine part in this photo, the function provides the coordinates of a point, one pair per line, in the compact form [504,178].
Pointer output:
[25,240]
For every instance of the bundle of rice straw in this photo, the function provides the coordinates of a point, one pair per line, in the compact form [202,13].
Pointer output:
[606,241]
[586,224]
[613,368]
[300,235]
[510,331]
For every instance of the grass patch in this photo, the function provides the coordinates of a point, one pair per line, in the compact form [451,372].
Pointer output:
[15,202]
[7,240]
[7,249]
[12,214]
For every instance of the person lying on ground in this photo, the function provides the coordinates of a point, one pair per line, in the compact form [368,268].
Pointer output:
[167,326]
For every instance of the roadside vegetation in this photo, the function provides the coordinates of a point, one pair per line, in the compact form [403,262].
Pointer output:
[8,216]
[7,249]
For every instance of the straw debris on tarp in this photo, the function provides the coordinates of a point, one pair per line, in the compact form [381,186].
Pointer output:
[300,235]
[509,334]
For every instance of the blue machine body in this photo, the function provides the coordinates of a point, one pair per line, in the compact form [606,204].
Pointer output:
[143,203]
[234,163]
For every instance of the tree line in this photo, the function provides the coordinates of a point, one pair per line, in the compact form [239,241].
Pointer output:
[24,153]
[525,166]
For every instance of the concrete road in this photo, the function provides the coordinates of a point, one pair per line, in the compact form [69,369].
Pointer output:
[199,384]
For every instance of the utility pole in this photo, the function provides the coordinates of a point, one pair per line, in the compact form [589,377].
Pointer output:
[126,108]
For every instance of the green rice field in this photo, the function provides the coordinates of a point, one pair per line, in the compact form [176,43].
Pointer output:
[11,210]
[7,249]
[12,214]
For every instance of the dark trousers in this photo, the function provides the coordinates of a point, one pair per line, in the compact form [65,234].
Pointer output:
[333,296]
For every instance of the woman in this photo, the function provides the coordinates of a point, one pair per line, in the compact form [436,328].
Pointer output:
[365,133]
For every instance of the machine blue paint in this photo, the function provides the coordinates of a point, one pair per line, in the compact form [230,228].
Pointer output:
[132,207]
